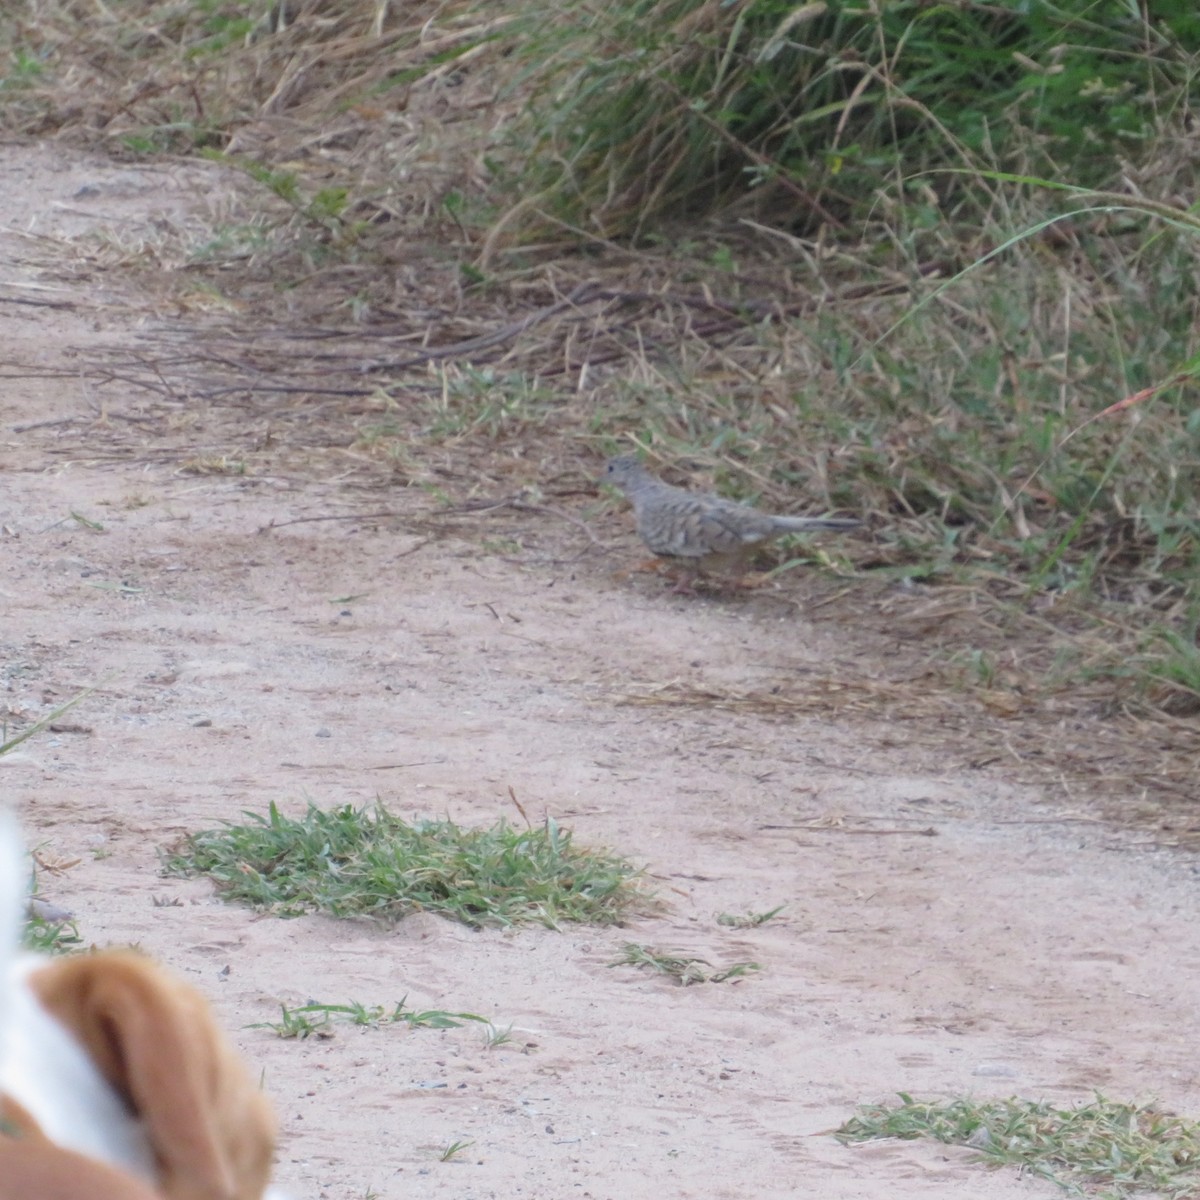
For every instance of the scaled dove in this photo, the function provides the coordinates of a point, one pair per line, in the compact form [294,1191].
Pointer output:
[704,533]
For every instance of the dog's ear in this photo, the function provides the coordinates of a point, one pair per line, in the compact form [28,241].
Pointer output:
[155,1041]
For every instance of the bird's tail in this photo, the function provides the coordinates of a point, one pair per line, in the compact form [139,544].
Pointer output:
[800,524]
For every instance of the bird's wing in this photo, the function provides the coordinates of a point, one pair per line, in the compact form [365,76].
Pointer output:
[671,521]
[672,527]
[728,526]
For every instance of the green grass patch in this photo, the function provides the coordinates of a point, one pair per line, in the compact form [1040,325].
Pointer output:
[1115,1149]
[307,1019]
[640,111]
[684,968]
[367,862]
[51,937]
[750,920]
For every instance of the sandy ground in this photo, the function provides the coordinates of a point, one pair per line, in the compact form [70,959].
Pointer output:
[945,932]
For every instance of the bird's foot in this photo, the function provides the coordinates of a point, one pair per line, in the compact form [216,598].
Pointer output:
[753,580]
[685,585]
[647,566]
[650,566]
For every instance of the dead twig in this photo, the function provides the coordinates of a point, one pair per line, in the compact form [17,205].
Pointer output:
[26,426]
[928,831]
[367,516]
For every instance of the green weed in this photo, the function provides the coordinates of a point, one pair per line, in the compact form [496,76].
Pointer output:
[306,1019]
[367,862]
[51,937]
[298,1023]
[494,1036]
[749,920]
[24,69]
[640,112]
[685,969]
[323,209]
[1123,1149]
[485,403]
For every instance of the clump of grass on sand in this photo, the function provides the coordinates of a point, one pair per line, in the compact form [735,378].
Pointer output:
[51,937]
[684,968]
[367,862]
[314,1018]
[1108,1147]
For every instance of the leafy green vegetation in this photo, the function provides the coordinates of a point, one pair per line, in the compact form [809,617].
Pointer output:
[366,862]
[1116,1148]
[649,109]
[750,920]
[307,1019]
[51,937]
[684,968]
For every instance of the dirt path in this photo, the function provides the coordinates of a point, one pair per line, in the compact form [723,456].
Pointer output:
[944,933]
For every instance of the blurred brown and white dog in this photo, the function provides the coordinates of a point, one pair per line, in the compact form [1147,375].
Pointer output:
[115,1082]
